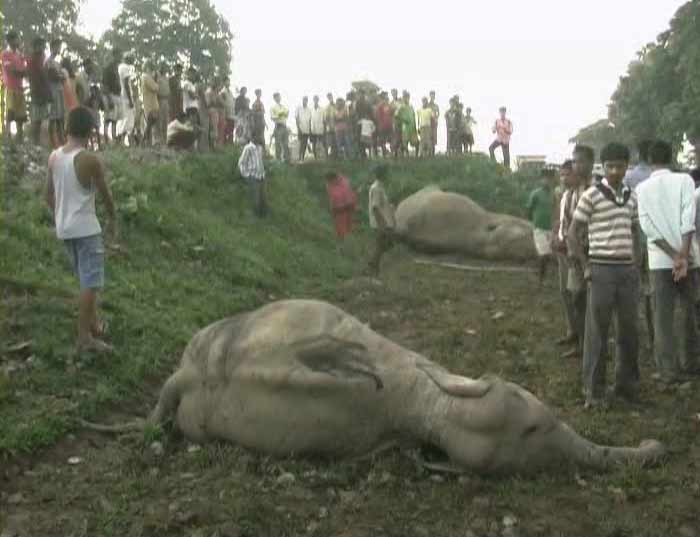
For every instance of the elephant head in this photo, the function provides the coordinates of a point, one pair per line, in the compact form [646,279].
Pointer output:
[489,425]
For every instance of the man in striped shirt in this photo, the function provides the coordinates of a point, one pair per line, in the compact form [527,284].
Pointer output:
[609,210]
[252,168]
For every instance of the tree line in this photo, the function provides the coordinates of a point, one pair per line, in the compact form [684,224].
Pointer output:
[190,32]
[659,95]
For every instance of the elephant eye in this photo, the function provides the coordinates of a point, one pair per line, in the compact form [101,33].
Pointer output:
[531,429]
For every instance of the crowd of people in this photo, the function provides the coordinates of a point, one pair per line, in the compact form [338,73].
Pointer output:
[611,235]
[180,109]
[626,238]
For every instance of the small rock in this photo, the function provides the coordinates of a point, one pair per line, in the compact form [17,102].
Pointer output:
[498,315]
[437,478]
[157,449]
[687,531]
[15,499]
[470,332]
[347,496]
[193,448]
[74,460]
[421,531]
[510,531]
[286,479]
[187,475]
[509,521]
[481,502]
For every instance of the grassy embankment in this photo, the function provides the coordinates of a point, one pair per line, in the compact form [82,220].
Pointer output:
[192,253]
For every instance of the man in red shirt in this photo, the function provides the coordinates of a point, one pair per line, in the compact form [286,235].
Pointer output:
[385,122]
[38,88]
[14,68]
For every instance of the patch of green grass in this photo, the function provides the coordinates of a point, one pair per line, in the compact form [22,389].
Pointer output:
[193,253]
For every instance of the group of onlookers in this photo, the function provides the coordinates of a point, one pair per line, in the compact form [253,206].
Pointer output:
[156,105]
[625,238]
[365,124]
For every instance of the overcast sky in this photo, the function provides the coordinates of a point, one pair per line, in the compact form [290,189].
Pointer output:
[553,63]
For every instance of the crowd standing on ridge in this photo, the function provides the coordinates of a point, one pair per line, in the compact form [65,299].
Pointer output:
[164,106]
[627,238]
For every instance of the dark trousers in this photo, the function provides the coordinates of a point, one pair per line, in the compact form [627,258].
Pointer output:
[666,291]
[384,241]
[303,144]
[613,289]
[566,297]
[506,152]
[257,194]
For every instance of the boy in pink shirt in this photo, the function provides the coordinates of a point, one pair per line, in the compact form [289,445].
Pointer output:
[503,128]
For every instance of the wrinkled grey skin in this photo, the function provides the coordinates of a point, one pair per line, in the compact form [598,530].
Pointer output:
[303,377]
[444,222]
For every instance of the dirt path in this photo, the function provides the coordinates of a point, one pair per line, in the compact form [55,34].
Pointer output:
[131,487]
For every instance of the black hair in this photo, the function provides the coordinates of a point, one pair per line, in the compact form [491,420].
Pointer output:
[586,151]
[55,42]
[38,41]
[660,153]
[80,122]
[614,151]
[643,149]
[568,165]
[12,35]
[331,175]
[695,174]
[547,172]
[381,172]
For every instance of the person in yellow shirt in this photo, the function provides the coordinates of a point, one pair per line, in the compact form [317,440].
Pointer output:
[149,90]
[426,116]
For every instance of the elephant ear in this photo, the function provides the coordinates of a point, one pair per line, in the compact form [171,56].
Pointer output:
[454,384]
[338,358]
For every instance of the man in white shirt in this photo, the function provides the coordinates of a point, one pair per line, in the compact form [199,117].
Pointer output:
[278,115]
[381,217]
[190,99]
[303,118]
[667,216]
[318,130]
[75,176]
[127,73]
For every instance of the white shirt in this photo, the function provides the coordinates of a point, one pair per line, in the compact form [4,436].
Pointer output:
[317,120]
[697,217]
[187,101]
[366,128]
[75,215]
[250,163]
[303,118]
[667,211]
[175,127]
[379,200]
[126,71]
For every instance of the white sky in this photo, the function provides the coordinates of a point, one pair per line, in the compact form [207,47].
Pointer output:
[553,63]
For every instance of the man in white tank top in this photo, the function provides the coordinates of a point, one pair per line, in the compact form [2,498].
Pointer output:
[75,176]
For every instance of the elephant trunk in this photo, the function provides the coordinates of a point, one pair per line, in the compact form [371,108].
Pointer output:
[586,453]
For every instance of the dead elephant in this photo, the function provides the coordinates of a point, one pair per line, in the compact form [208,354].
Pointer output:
[303,377]
[446,222]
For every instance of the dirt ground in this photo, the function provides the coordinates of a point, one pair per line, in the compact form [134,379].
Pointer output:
[472,322]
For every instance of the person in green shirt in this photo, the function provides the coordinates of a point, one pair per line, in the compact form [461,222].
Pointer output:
[539,210]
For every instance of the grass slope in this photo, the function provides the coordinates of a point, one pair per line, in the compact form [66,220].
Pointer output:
[193,253]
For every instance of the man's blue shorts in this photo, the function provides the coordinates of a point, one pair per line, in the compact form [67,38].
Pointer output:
[88,257]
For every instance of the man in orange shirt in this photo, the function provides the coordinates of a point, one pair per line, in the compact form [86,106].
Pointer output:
[503,129]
